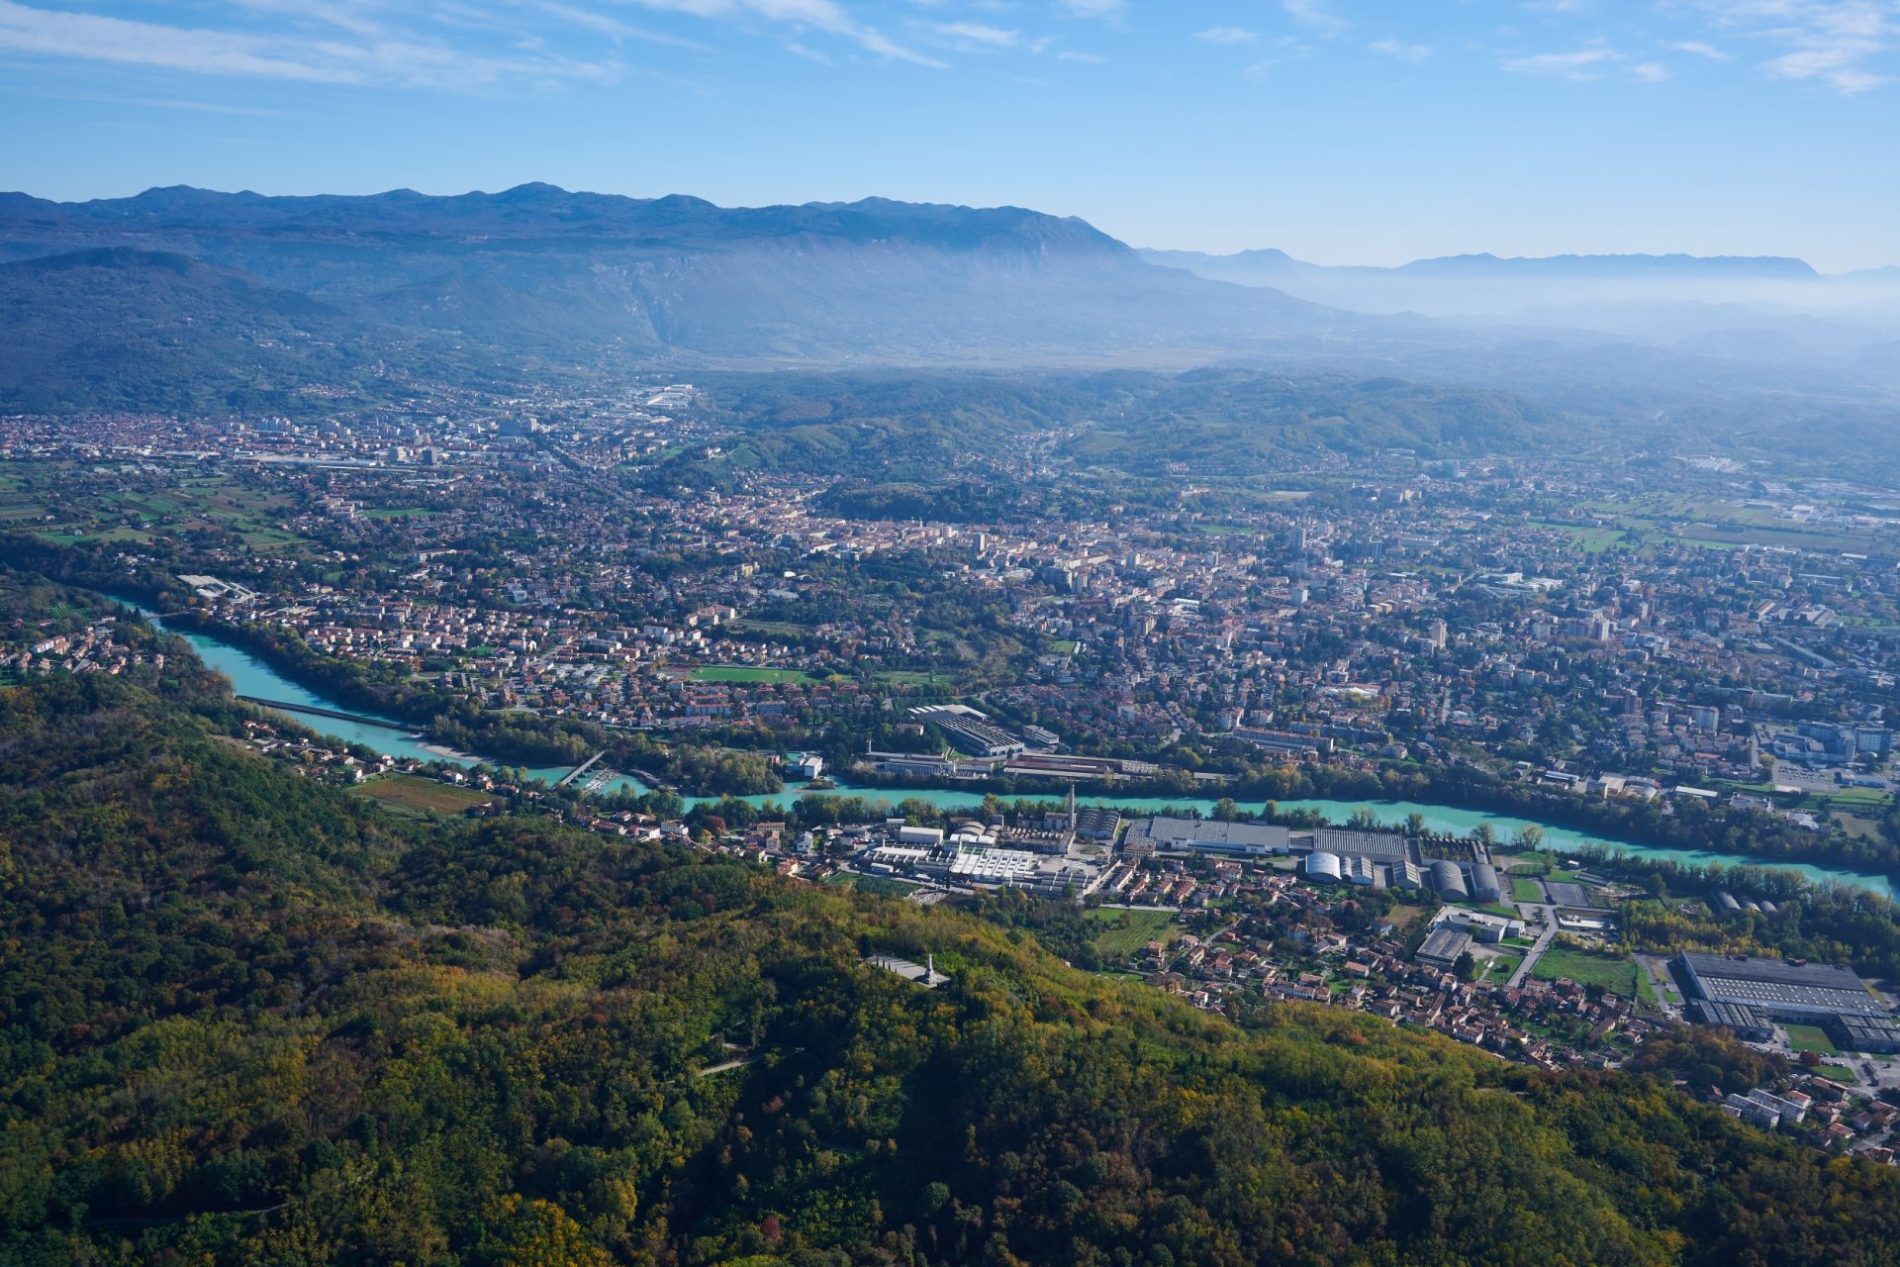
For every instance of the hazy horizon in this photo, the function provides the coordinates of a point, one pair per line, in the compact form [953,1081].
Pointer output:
[1355,262]
[1340,132]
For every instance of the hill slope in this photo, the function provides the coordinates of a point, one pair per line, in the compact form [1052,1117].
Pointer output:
[581,276]
[121,328]
[247,1020]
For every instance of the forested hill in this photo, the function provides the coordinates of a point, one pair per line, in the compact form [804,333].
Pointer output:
[248,1021]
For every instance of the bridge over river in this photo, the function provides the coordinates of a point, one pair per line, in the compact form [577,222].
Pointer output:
[289,706]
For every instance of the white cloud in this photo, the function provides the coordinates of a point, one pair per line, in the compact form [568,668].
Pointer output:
[1072,55]
[1102,10]
[1835,42]
[1701,49]
[608,25]
[365,42]
[1580,67]
[1316,15]
[1650,72]
[827,16]
[979,34]
[1413,53]
[24,29]
[1226,35]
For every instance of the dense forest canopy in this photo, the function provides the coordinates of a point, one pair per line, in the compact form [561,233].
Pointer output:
[249,1020]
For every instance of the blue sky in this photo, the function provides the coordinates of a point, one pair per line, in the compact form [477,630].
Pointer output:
[1340,130]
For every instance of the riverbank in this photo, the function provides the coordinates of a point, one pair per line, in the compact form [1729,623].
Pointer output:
[252,676]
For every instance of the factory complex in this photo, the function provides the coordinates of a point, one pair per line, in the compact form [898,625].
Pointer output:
[1747,994]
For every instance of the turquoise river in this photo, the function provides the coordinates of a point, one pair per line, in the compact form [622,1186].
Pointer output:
[251,676]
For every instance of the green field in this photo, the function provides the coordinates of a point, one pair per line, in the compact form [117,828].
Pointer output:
[771,628]
[1498,968]
[1527,890]
[1811,1038]
[742,673]
[417,795]
[1124,933]
[1615,973]
[911,677]
[1531,862]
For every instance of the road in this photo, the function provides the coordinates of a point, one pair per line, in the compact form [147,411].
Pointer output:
[1535,952]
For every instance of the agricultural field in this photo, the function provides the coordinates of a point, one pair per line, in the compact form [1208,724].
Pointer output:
[754,676]
[412,794]
[1124,933]
[1614,973]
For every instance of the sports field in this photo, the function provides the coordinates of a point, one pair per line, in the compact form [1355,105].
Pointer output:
[743,673]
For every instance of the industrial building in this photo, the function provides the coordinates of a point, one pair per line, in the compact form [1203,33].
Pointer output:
[970,730]
[1878,1035]
[1778,989]
[1484,883]
[1324,867]
[1749,1025]
[1206,835]
[1386,847]
[1443,945]
[1448,881]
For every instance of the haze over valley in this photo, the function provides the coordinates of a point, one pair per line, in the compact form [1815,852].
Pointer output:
[969,633]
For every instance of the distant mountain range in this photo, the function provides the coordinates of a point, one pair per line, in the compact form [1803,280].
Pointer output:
[542,272]
[184,298]
[1594,292]
[1269,262]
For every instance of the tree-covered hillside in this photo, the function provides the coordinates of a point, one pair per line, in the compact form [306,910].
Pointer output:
[246,1020]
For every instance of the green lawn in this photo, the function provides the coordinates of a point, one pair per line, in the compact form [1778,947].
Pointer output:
[1615,973]
[1811,1038]
[414,794]
[911,677]
[1840,1073]
[1499,968]
[1526,890]
[1124,933]
[743,673]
